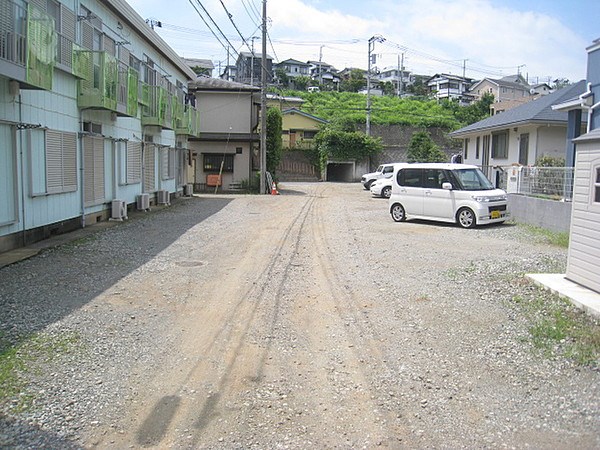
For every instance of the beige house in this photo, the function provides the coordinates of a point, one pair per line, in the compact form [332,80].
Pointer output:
[228,142]
[520,135]
[513,88]
[299,129]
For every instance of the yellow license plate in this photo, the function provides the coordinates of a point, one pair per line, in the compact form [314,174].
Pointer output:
[495,215]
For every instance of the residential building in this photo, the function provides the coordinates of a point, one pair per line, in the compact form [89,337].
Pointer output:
[293,68]
[318,68]
[227,146]
[399,78]
[511,88]
[520,135]
[204,66]
[451,87]
[583,263]
[283,102]
[229,73]
[249,68]
[94,116]
[299,129]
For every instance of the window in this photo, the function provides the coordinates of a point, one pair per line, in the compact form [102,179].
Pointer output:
[466,151]
[596,188]
[477,147]
[168,163]
[212,162]
[500,145]
[61,162]
[310,134]
[130,157]
[434,178]
[409,177]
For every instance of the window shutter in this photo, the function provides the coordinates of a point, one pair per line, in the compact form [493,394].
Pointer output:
[69,151]
[134,162]
[164,163]
[88,168]
[54,161]
[87,35]
[149,168]
[98,169]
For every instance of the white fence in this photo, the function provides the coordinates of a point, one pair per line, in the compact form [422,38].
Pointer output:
[547,182]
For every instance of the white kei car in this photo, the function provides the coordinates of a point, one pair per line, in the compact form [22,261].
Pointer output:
[382,187]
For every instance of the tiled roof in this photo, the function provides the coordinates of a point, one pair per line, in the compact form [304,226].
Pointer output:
[539,110]
[218,84]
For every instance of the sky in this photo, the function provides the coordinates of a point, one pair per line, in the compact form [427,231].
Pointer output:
[544,40]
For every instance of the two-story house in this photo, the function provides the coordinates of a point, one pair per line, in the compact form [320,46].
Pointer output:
[94,116]
[249,68]
[450,87]
[227,145]
[399,78]
[510,88]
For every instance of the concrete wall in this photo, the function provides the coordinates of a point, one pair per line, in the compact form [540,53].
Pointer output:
[550,214]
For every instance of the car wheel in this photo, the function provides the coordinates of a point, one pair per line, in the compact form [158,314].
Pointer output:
[466,218]
[386,192]
[398,213]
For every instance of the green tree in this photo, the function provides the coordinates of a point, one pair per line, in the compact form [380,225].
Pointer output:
[333,143]
[274,143]
[560,83]
[302,82]
[283,77]
[422,149]
[419,87]
[472,113]
[355,82]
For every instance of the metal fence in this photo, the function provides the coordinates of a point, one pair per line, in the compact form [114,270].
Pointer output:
[548,182]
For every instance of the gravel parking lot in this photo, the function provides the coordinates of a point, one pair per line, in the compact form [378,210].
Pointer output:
[305,320]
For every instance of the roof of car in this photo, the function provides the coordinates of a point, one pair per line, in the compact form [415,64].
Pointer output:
[447,166]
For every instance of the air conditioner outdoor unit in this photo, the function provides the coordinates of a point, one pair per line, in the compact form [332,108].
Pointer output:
[188,190]
[143,202]
[163,198]
[118,210]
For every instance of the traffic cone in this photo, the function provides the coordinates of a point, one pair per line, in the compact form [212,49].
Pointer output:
[274,189]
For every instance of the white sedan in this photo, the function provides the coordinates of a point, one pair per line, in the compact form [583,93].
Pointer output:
[382,187]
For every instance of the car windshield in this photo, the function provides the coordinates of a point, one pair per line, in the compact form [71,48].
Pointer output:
[473,180]
[379,169]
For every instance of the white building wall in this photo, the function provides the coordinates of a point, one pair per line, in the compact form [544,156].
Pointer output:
[583,265]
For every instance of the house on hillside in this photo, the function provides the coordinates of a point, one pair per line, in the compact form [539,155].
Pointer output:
[227,146]
[299,129]
[200,66]
[520,135]
[229,73]
[95,117]
[451,87]
[512,88]
[248,68]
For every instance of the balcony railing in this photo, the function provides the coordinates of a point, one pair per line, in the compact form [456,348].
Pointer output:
[127,92]
[159,110]
[189,122]
[98,89]
[28,41]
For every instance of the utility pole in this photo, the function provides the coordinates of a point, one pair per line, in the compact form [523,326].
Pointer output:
[464,66]
[320,60]
[377,38]
[402,76]
[263,103]
[252,62]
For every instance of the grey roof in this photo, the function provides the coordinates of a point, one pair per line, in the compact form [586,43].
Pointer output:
[196,62]
[293,61]
[535,111]
[218,84]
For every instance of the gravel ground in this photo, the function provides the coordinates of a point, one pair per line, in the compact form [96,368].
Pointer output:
[310,319]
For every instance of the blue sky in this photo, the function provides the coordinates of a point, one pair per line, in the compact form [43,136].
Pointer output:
[543,40]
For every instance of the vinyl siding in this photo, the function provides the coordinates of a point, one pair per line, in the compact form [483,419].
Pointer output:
[584,249]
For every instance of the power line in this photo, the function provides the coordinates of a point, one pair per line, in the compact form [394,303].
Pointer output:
[252,18]
[234,25]
[213,21]
[208,26]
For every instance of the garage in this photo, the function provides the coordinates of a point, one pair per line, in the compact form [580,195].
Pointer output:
[340,171]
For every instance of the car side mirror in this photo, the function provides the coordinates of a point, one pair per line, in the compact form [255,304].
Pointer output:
[446,185]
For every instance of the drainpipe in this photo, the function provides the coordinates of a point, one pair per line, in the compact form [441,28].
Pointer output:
[81,170]
[22,183]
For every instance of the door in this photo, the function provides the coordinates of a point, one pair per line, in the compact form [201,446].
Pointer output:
[410,191]
[523,149]
[437,202]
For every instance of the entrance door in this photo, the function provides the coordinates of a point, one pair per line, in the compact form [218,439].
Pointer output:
[485,156]
[523,148]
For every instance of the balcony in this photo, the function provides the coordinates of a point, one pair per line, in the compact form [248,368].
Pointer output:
[189,122]
[98,88]
[127,93]
[158,107]
[28,43]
